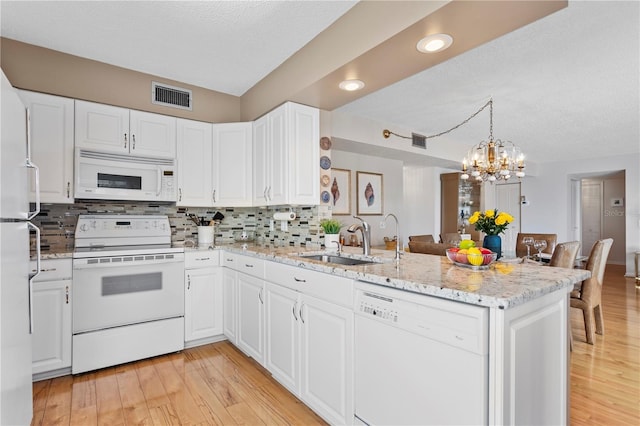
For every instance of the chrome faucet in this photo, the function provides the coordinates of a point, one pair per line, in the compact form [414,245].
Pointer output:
[366,234]
[398,252]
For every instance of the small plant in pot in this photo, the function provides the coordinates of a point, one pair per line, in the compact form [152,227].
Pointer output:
[331,229]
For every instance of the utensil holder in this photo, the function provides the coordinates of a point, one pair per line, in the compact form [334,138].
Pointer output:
[205,236]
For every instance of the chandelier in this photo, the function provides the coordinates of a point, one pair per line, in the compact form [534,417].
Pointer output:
[493,160]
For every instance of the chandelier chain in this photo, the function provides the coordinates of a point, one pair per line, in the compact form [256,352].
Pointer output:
[488,104]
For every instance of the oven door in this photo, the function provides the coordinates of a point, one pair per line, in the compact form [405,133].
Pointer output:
[113,295]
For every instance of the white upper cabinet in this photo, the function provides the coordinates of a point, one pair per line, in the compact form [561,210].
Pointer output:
[119,130]
[287,156]
[214,164]
[152,135]
[303,137]
[232,159]
[194,148]
[51,128]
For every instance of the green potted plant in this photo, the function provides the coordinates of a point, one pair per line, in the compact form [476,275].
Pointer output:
[331,228]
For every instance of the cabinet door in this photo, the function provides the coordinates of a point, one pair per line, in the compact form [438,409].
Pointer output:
[251,316]
[260,161]
[152,135]
[278,158]
[51,145]
[51,338]
[282,336]
[327,359]
[203,303]
[194,163]
[101,127]
[304,150]
[232,173]
[230,295]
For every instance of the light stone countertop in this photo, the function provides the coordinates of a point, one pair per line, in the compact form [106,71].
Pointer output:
[503,286]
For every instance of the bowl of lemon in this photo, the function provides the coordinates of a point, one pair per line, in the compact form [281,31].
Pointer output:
[469,256]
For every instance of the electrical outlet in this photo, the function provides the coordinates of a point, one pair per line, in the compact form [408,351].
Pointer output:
[284,225]
[272,225]
[383,225]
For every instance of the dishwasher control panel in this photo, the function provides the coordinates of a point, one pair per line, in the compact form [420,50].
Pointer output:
[378,306]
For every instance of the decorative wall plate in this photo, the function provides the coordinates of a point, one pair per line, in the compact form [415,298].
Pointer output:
[325,143]
[325,180]
[325,162]
[325,196]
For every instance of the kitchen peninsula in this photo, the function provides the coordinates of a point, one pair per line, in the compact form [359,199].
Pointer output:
[506,359]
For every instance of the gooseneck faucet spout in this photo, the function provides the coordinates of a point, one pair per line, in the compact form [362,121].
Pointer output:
[366,234]
[398,252]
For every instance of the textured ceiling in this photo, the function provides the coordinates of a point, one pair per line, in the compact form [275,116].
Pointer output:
[226,46]
[564,87]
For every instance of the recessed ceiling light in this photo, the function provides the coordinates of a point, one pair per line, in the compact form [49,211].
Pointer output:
[351,85]
[434,43]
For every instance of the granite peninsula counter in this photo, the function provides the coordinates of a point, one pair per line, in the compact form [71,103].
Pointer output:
[523,335]
[504,285]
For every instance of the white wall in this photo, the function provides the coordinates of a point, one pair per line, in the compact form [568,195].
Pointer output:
[392,182]
[550,194]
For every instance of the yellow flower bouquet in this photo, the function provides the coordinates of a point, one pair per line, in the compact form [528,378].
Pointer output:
[490,221]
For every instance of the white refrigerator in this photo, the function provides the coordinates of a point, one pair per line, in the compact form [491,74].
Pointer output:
[16,406]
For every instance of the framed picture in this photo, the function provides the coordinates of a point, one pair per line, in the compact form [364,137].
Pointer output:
[369,193]
[617,202]
[340,189]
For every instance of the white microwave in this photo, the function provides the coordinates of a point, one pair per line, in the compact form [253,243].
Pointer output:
[123,177]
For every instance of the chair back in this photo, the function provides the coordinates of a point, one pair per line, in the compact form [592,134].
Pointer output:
[564,256]
[449,237]
[427,238]
[596,264]
[521,249]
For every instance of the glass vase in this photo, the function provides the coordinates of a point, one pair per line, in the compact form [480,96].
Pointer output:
[493,243]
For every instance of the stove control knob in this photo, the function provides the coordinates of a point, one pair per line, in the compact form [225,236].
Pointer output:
[84,227]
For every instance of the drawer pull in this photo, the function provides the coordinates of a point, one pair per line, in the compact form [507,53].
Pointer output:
[203,258]
[293,309]
[248,265]
[299,280]
[66,294]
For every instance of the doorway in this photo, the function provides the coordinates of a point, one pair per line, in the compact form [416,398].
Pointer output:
[598,211]
[508,200]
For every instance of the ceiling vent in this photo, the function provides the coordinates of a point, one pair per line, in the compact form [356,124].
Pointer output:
[175,97]
[418,140]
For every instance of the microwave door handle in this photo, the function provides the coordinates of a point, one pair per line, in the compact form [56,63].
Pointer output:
[159,181]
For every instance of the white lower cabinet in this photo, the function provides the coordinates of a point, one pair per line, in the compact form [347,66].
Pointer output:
[51,337]
[250,338]
[309,341]
[283,335]
[203,303]
[203,299]
[230,302]
[327,359]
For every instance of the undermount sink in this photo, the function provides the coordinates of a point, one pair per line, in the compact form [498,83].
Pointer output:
[341,260]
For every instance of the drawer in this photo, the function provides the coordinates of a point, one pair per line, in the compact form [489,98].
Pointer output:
[246,264]
[201,259]
[328,287]
[53,270]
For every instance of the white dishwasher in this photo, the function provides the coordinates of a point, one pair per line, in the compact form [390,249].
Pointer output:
[418,359]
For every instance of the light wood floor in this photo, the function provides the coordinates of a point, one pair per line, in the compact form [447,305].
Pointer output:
[216,384]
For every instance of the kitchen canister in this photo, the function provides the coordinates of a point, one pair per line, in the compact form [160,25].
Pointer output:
[205,236]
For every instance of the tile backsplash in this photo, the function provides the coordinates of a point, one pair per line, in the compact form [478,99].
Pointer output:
[57,222]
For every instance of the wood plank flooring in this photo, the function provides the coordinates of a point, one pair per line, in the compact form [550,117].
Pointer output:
[217,384]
